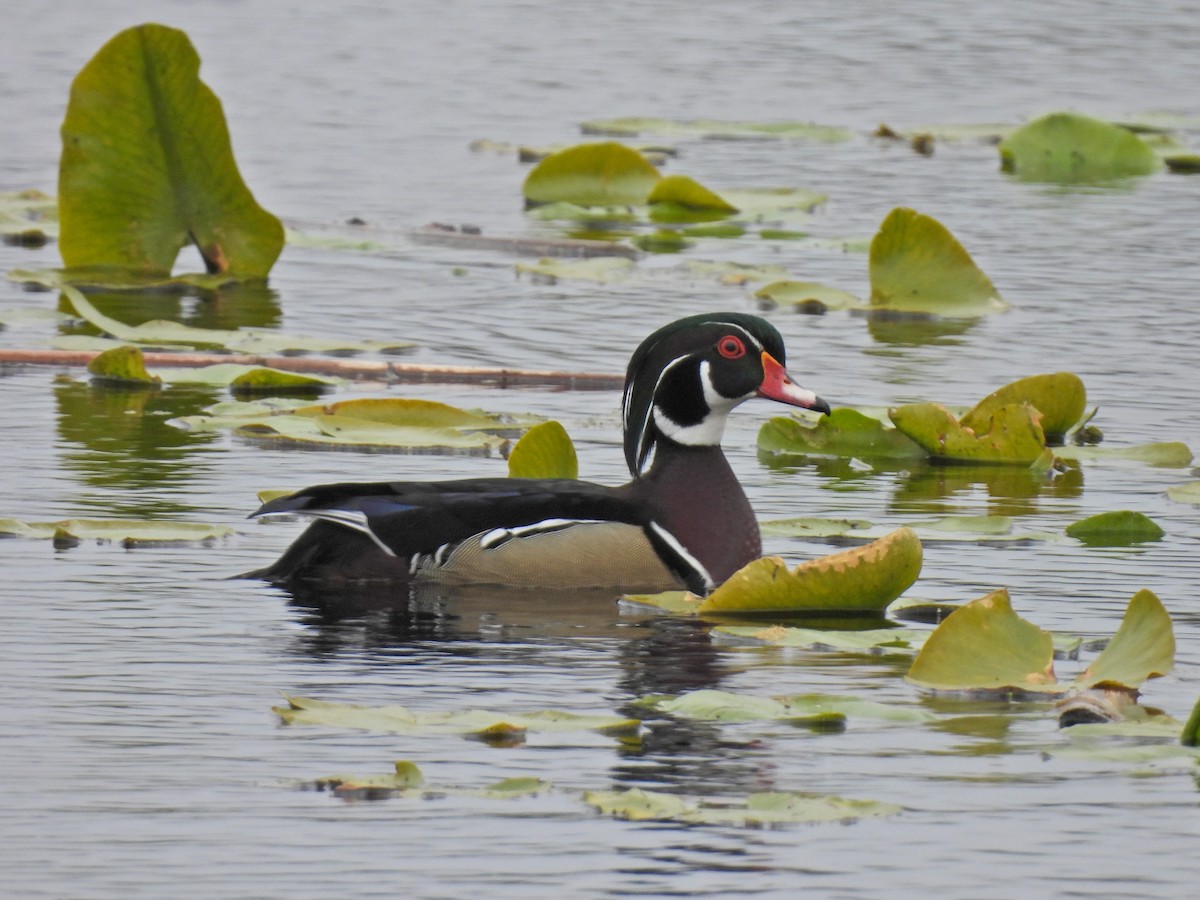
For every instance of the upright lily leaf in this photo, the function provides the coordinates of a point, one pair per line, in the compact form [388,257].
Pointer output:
[917,266]
[1013,435]
[544,451]
[678,198]
[122,365]
[1142,648]
[604,174]
[1191,730]
[1061,399]
[984,645]
[844,432]
[1115,529]
[862,579]
[147,166]
[1067,148]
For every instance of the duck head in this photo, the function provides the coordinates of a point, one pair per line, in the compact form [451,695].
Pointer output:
[684,380]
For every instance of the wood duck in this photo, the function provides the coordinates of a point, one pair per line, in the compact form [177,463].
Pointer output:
[682,521]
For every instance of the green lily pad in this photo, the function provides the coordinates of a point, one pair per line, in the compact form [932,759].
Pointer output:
[544,451]
[676,603]
[726,706]
[984,645]
[1168,454]
[128,533]
[603,174]
[862,579]
[1013,437]
[1142,648]
[917,266]
[244,340]
[122,365]
[774,202]
[871,640]
[1061,399]
[757,810]
[808,296]
[724,230]
[24,214]
[1185,493]
[844,432]
[715,129]
[1183,163]
[407,776]
[147,166]
[1191,730]
[679,198]
[399,720]
[1115,529]
[1067,148]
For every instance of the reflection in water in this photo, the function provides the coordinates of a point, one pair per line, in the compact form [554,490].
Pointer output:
[900,330]
[118,440]
[235,306]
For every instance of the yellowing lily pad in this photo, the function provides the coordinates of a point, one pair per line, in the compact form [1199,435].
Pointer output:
[1013,436]
[1115,529]
[122,365]
[862,579]
[984,645]
[399,720]
[602,269]
[244,380]
[603,174]
[147,166]
[1142,648]
[812,527]
[1060,398]
[544,451]
[28,215]
[874,641]
[1168,454]
[844,432]
[757,810]
[808,296]
[917,266]
[1185,493]
[1067,148]
[128,533]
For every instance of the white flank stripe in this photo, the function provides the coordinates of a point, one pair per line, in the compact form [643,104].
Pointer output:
[674,544]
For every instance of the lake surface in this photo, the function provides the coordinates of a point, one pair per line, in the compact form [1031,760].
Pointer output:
[138,751]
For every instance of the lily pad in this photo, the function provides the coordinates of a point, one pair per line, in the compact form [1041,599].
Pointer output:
[1115,529]
[679,198]
[917,266]
[602,269]
[106,279]
[1168,454]
[145,533]
[246,380]
[984,645]
[1142,648]
[400,720]
[1185,493]
[24,214]
[1067,148]
[122,365]
[1061,399]
[715,129]
[808,296]
[1191,730]
[544,451]
[603,174]
[844,432]
[757,810]
[871,640]
[147,166]
[245,340]
[1013,436]
[862,580]
[811,527]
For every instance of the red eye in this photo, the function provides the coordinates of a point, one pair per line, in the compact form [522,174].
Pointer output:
[731,347]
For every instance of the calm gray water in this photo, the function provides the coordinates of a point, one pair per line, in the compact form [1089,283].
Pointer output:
[138,753]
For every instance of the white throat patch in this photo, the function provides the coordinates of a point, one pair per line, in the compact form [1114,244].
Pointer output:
[707,433]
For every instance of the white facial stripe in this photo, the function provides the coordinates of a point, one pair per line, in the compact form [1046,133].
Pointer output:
[352,519]
[670,540]
[650,410]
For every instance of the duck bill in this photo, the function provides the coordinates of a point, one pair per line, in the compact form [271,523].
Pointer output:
[778,385]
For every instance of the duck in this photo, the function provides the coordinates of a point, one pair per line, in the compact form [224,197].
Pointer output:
[682,521]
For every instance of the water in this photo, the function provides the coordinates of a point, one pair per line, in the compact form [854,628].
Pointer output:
[138,751]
